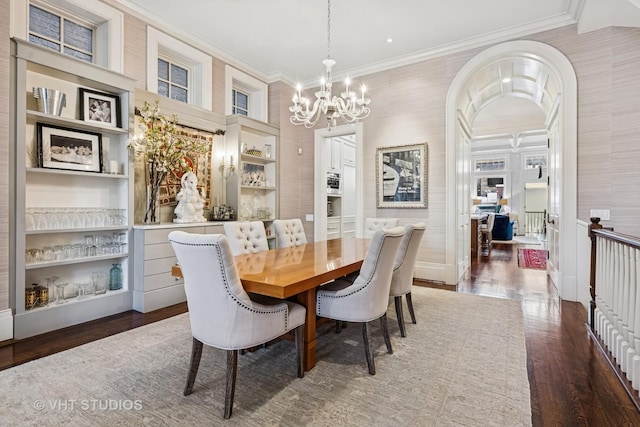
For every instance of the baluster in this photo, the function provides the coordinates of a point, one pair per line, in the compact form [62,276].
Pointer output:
[626,302]
[635,376]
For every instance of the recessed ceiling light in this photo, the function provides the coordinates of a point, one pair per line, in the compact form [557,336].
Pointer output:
[389,40]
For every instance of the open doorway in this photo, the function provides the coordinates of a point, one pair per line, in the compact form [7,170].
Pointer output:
[537,73]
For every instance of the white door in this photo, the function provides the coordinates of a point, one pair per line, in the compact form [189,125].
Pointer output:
[554,197]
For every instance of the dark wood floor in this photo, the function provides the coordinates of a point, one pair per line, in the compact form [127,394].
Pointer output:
[571,381]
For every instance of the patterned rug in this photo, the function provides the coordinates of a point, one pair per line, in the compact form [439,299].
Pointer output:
[532,258]
[463,363]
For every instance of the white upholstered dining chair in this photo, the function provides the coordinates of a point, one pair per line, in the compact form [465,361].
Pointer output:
[221,313]
[289,232]
[373,224]
[367,298]
[487,233]
[403,267]
[246,237]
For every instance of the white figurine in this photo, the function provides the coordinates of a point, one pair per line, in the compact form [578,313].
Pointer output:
[190,202]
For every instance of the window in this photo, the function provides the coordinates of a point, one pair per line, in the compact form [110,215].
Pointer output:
[105,22]
[488,186]
[240,101]
[61,33]
[484,165]
[173,80]
[241,87]
[535,161]
[178,71]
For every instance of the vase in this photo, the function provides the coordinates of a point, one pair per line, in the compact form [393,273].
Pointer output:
[152,213]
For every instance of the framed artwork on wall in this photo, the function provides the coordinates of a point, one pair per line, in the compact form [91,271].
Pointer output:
[70,149]
[401,176]
[99,107]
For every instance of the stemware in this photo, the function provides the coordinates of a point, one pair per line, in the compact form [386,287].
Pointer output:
[51,286]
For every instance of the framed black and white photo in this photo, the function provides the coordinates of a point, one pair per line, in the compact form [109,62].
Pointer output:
[401,176]
[70,149]
[99,107]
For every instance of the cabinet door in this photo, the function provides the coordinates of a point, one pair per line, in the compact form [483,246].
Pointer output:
[349,191]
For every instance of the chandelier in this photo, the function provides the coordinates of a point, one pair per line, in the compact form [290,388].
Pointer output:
[349,106]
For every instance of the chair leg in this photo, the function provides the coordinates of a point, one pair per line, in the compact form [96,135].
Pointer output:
[232,369]
[366,336]
[196,353]
[385,333]
[299,333]
[410,305]
[400,315]
[338,326]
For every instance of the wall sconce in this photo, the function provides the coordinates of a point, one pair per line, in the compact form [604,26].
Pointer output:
[227,170]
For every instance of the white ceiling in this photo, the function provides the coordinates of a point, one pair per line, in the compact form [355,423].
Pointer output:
[287,39]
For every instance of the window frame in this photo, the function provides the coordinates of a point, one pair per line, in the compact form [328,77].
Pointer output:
[108,22]
[257,90]
[161,45]
[187,68]
[501,159]
[234,106]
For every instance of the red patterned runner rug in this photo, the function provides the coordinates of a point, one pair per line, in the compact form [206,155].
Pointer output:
[532,258]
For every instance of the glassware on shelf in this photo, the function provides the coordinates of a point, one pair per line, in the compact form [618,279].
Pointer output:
[51,288]
[83,290]
[60,293]
[99,282]
[30,297]
[115,277]
[267,151]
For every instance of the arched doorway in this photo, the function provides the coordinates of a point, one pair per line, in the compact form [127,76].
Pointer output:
[557,96]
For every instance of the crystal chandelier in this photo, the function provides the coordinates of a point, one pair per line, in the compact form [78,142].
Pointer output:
[349,106]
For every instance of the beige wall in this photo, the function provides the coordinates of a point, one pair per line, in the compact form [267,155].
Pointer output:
[408,107]
[4,156]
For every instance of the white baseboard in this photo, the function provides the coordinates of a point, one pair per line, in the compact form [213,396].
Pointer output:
[435,272]
[6,325]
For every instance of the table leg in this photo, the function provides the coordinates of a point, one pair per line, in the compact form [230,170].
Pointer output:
[308,299]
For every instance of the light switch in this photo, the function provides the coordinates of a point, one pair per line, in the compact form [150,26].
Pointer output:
[603,214]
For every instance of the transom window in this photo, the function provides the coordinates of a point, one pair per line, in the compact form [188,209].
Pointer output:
[535,161]
[484,165]
[240,102]
[173,80]
[61,33]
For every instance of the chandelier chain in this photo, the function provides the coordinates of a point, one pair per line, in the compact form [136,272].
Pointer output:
[329,29]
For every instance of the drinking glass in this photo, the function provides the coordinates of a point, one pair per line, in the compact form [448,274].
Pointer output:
[60,293]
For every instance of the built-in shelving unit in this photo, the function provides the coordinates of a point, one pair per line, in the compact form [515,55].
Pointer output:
[253,189]
[77,202]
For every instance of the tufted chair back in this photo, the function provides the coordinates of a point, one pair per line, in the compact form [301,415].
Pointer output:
[216,297]
[403,268]
[246,237]
[289,232]
[367,298]
[373,224]
[221,313]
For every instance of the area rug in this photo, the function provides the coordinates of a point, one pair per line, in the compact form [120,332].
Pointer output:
[532,258]
[463,363]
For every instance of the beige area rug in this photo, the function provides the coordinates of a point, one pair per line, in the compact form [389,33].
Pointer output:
[519,240]
[463,364]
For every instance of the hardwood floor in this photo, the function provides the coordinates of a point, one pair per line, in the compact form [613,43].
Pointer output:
[571,381]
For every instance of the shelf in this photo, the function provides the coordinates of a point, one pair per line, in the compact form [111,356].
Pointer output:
[78,230]
[73,300]
[75,123]
[251,187]
[76,173]
[255,159]
[334,195]
[75,261]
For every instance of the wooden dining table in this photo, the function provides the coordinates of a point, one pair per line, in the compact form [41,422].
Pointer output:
[297,272]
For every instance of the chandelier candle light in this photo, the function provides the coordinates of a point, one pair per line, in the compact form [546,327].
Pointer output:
[348,106]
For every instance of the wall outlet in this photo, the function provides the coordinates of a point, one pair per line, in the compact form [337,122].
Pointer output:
[603,214]
[309,218]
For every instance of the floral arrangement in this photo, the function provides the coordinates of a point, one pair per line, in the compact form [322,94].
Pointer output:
[165,151]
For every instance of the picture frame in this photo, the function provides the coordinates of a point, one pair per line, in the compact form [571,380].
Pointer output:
[99,107]
[68,149]
[401,176]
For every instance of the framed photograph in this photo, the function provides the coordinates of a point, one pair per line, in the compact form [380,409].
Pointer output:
[401,176]
[99,107]
[70,149]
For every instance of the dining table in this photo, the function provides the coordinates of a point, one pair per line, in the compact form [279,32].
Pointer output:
[296,272]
